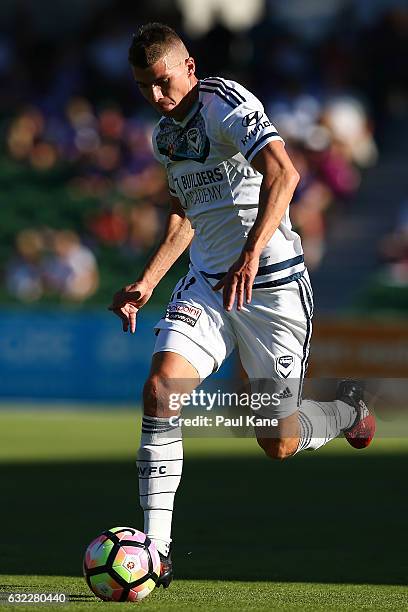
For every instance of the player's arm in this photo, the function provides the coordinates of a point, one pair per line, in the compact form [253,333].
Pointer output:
[177,237]
[278,184]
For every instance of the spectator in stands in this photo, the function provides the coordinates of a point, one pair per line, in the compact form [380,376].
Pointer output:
[311,200]
[143,228]
[394,251]
[24,271]
[110,225]
[71,270]
[73,112]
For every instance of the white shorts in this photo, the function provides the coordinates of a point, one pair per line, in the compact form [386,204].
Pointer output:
[272,333]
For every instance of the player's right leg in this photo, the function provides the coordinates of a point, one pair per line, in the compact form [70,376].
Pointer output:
[178,365]
[193,339]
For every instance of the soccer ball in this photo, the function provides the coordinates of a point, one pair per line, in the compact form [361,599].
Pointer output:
[121,564]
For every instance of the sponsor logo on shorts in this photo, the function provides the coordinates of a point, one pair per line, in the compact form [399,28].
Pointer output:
[178,311]
[284,365]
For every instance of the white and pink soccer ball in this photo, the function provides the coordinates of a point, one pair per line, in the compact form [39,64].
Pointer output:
[122,564]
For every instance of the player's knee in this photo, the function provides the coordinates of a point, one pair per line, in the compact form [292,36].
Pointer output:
[278,448]
[155,396]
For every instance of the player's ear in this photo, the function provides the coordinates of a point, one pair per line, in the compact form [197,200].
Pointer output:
[190,63]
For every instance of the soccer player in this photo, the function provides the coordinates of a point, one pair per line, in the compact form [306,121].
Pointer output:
[230,183]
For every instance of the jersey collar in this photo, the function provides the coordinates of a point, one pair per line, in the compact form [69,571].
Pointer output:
[193,110]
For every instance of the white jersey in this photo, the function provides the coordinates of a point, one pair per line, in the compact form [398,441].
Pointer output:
[207,157]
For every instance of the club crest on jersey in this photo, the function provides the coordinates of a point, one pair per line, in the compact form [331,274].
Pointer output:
[252,118]
[194,140]
[184,143]
[284,365]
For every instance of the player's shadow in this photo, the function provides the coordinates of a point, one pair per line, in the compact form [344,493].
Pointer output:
[318,517]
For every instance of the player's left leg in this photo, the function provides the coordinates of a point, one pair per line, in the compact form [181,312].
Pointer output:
[317,423]
[282,441]
[273,338]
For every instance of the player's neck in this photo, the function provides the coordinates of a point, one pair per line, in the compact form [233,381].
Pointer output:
[187,103]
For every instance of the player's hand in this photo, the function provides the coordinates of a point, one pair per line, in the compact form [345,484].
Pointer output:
[127,302]
[238,281]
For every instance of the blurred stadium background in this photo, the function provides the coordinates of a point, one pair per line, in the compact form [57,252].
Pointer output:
[83,203]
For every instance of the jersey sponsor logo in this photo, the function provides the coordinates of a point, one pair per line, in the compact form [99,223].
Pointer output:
[204,195]
[284,365]
[179,311]
[252,133]
[193,187]
[252,118]
[199,179]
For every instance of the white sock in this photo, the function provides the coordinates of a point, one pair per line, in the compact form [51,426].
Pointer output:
[321,422]
[160,463]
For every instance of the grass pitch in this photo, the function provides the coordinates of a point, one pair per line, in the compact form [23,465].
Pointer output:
[323,531]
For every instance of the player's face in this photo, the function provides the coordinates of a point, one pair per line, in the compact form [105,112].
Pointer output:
[166,87]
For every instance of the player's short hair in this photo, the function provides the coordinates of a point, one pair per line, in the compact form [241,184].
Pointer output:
[151,42]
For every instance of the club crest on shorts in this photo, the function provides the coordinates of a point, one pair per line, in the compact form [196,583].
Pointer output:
[284,365]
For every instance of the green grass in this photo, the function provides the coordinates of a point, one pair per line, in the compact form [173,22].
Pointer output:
[222,595]
[323,531]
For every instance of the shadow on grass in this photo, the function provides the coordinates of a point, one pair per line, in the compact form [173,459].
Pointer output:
[312,519]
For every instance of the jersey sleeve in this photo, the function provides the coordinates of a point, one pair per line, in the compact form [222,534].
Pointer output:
[248,128]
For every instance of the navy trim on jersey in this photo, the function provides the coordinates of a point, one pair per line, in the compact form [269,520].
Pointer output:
[259,142]
[225,91]
[280,281]
[236,92]
[224,84]
[217,92]
[217,276]
[281,265]
[229,91]
[276,267]
[274,283]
